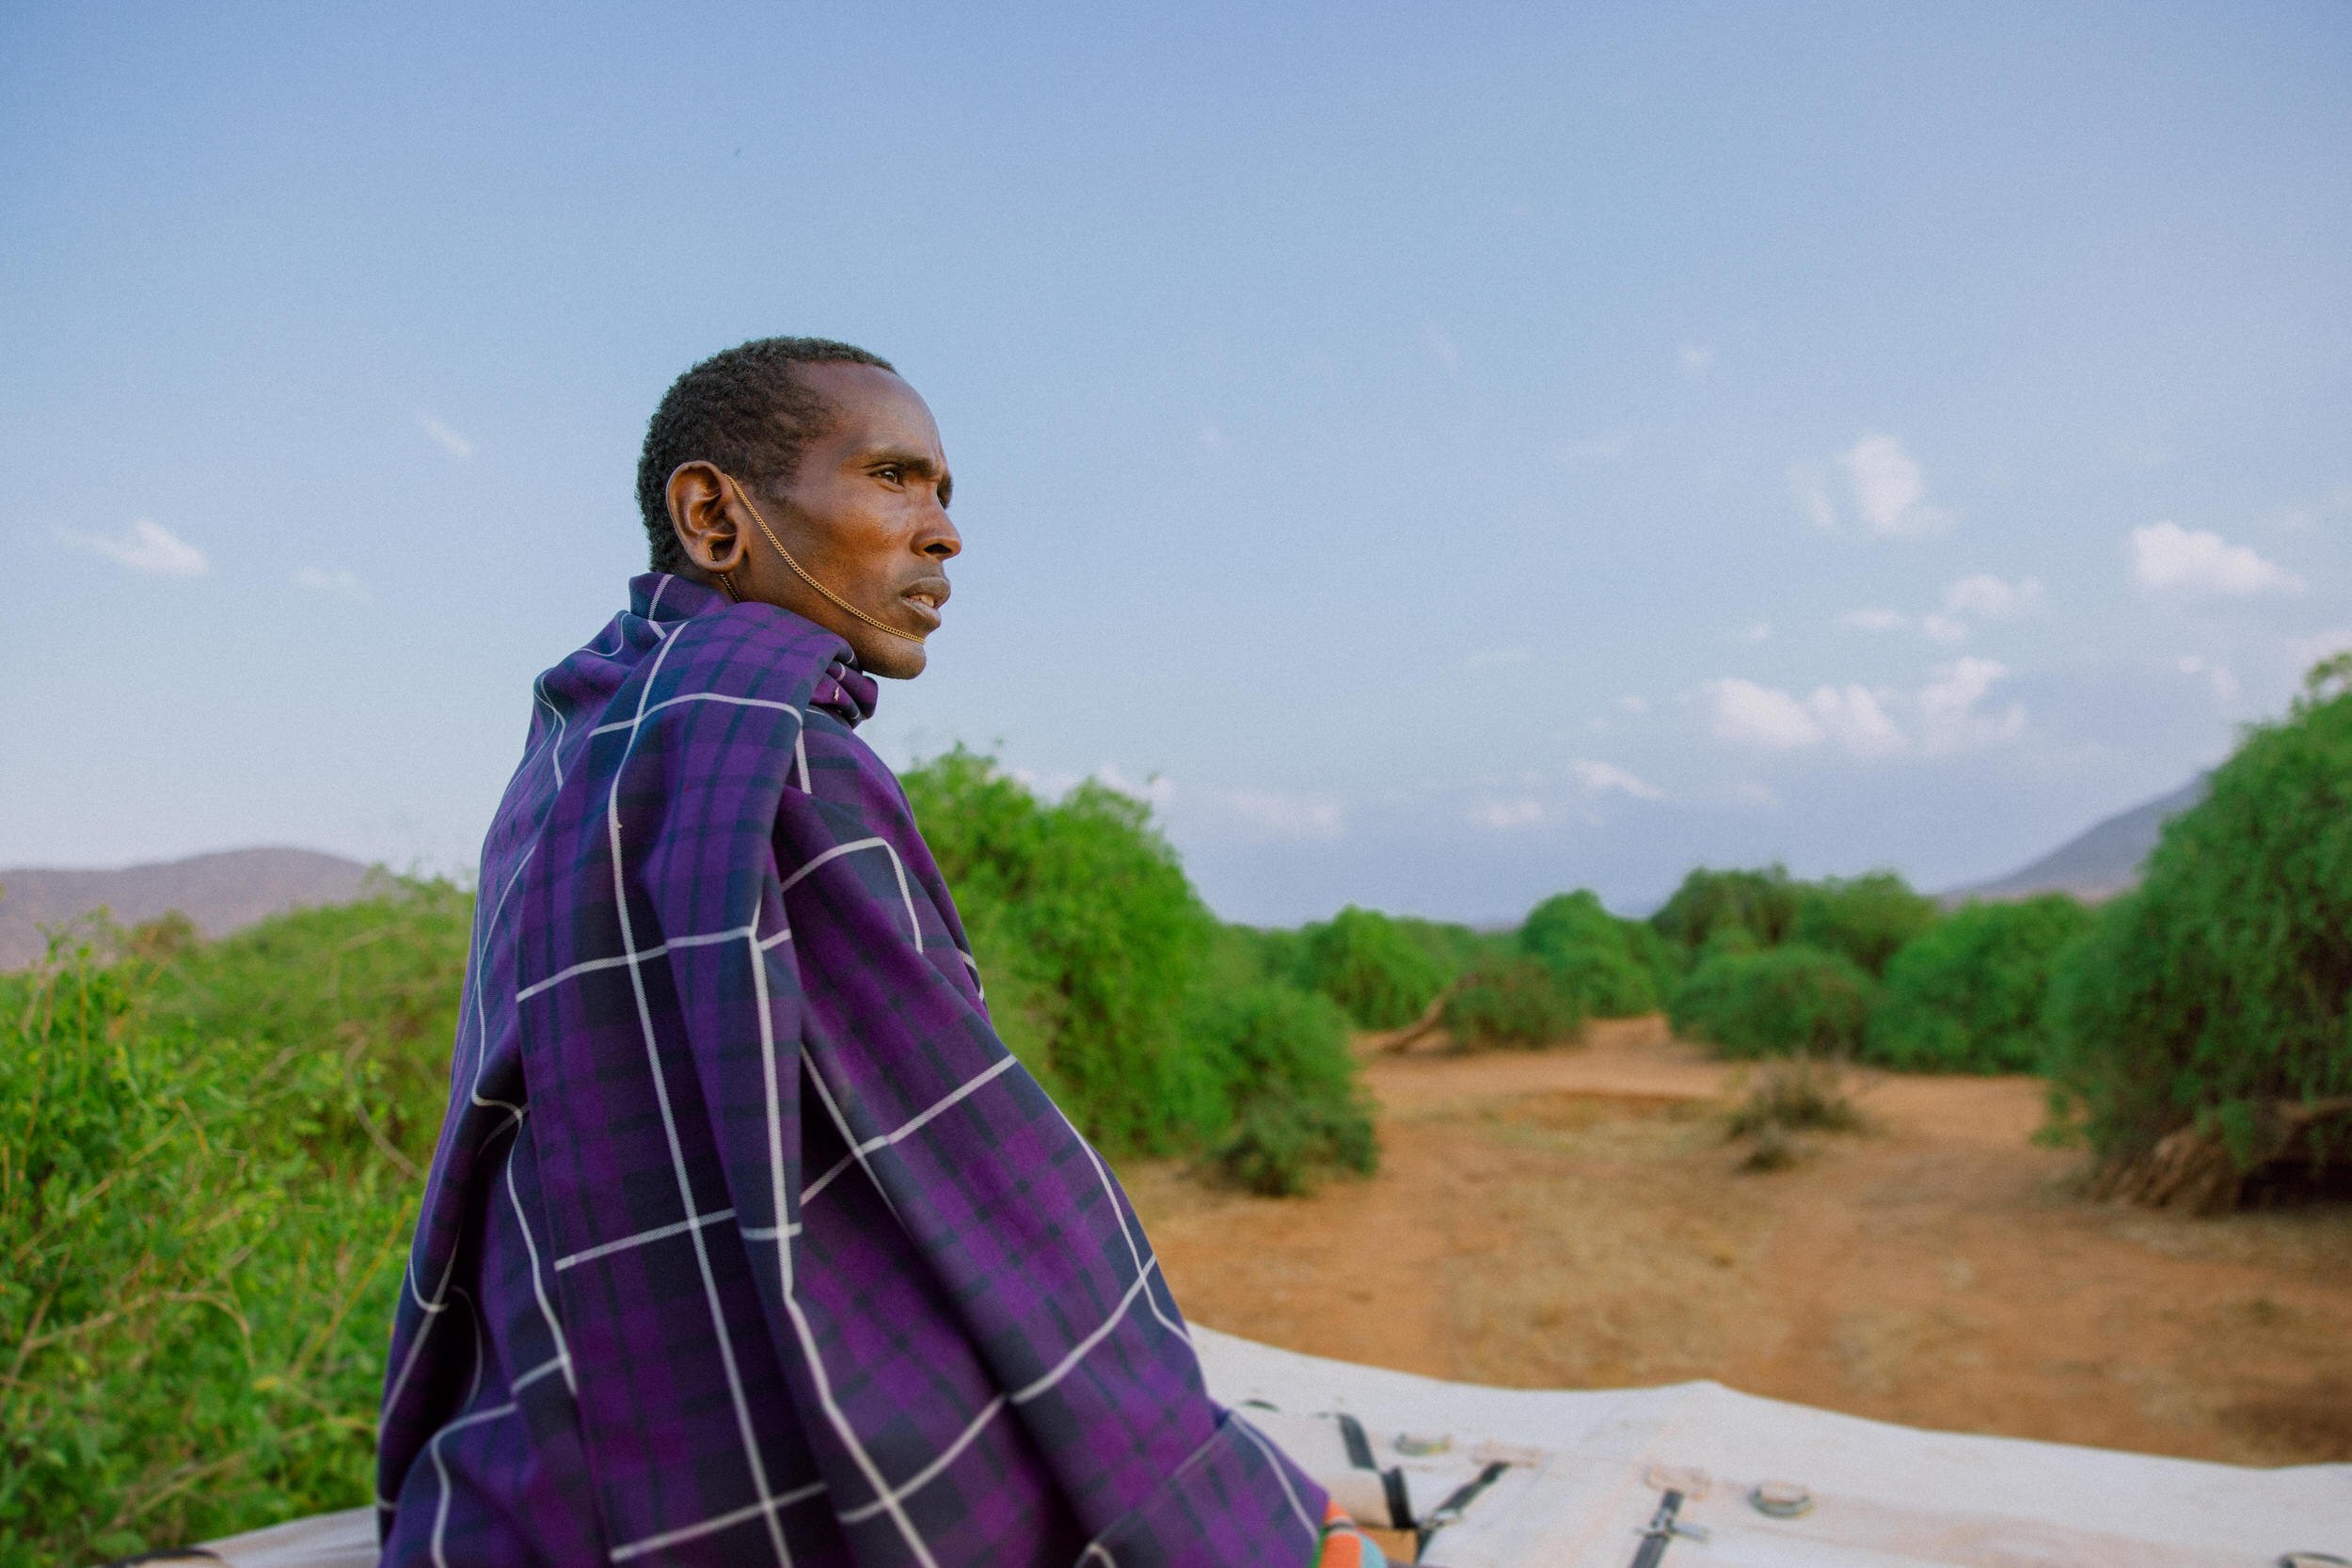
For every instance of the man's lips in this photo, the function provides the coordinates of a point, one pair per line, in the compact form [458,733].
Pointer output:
[924,599]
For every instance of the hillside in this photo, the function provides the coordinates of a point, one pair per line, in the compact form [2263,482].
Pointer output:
[220,893]
[2098,862]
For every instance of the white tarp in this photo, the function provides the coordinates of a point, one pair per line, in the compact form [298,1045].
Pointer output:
[1588,1471]
[1582,1475]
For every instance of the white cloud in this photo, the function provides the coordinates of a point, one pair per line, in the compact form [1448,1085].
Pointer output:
[146,546]
[1212,438]
[2218,676]
[1601,778]
[1991,598]
[1950,720]
[450,442]
[1949,710]
[1853,715]
[1155,791]
[1755,631]
[1499,659]
[1875,620]
[2170,557]
[1502,816]
[340,582]
[1944,629]
[1282,816]
[1890,489]
[1695,358]
[1885,489]
[1747,713]
[1633,704]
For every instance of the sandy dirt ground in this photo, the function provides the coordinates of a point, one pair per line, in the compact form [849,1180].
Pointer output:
[1576,1219]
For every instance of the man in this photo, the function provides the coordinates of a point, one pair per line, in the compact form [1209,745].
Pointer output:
[747,1239]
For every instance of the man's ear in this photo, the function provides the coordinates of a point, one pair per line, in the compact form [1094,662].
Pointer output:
[701,517]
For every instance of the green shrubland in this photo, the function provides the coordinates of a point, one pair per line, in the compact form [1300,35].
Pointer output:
[1967,995]
[1157,1029]
[1788,1000]
[1382,973]
[1612,967]
[1513,1002]
[1747,909]
[1868,918]
[2214,999]
[208,1171]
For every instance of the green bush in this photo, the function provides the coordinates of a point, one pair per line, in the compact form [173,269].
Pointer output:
[1454,947]
[1610,965]
[1089,938]
[1868,918]
[208,1172]
[1298,1109]
[1968,996]
[1159,1030]
[1712,904]
[2218,992]
[1512,1002]
[1776,1001]
[1373,968]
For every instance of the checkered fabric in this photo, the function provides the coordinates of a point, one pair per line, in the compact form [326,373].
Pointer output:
[747,1239]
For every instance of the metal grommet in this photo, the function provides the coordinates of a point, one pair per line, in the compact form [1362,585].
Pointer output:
[1418,1445]
[1781,1500]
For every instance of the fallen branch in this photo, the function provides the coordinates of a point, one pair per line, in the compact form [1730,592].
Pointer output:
[2192,1168]
[1432,1019]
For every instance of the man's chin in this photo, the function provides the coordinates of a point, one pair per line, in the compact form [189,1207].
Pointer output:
[901,662]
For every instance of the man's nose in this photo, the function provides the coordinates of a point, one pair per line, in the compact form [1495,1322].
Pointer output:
[941,542]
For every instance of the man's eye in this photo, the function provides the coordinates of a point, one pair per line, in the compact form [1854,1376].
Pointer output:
[892,472]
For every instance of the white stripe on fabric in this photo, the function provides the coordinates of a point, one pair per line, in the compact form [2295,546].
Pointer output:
[905,893]
[1314,1532]
[823,1379]
[1119,1211]
[711,1526]
[928,1473]
[432,1450]
[1078,1351]
[590,966]
[669,1122]
[659,1233]
[538,1286]
[775,1112]
[859,1151]
[553,1364]
[696,697]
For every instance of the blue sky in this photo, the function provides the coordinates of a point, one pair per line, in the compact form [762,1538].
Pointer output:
[1443,455]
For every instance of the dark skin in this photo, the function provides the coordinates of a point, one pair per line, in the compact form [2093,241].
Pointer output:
[866,513]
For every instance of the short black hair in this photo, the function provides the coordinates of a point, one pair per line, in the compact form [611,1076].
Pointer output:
[744,410]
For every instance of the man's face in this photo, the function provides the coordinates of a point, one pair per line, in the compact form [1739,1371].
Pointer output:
[866,513]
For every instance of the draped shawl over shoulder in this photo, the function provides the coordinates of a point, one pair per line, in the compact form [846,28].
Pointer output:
[747,1241]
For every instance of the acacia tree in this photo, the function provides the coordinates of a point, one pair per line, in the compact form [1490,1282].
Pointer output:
[2202,1029]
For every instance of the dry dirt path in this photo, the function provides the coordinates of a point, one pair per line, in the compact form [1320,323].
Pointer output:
[1575,1219]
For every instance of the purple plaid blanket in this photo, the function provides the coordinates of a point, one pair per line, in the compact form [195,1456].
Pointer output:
[747,1239]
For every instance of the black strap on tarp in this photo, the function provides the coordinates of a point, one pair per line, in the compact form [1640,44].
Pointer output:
[1451,1509]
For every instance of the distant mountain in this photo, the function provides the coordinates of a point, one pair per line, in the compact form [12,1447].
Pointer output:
[2099,863]
[219,893]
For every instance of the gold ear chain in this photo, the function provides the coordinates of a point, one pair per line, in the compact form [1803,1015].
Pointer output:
[801,571]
